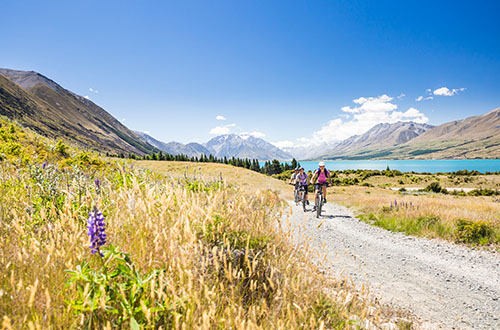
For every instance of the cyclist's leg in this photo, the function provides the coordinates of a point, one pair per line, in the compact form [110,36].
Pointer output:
[324,192]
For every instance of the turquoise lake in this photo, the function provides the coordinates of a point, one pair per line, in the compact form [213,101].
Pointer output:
[432,166]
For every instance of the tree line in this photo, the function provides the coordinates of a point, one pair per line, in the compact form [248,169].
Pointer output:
[270,167]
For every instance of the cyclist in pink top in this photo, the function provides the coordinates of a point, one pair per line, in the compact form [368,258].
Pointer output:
[322,175]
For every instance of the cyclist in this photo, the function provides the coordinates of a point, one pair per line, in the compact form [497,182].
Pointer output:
[322,175]
[294,176]
[293,181]
[303,180]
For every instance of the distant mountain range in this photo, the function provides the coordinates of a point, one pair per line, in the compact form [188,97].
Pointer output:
[380,136]
[310,152]
[470,138]
[44,106]
[245,146]
[176,148]
[229,145]
[41,104]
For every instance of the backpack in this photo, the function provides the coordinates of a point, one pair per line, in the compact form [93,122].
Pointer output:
[327,173]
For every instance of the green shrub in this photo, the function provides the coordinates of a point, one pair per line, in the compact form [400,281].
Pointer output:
[118,293]
[436,188]
[473,231]
[483,192]
[11,148]
[61,149]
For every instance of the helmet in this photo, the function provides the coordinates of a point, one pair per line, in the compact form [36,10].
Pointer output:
[301,168]
[321,164]
[296,169]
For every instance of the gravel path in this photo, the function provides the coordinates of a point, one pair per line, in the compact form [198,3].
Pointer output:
[445,285]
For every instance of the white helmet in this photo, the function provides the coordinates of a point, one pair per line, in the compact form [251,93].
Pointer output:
[321,164]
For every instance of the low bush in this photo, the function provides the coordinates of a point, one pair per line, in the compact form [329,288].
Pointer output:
[436,188]
[483,192]
[473,232]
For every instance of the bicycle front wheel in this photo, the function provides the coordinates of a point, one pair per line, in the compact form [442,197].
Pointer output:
[318,205]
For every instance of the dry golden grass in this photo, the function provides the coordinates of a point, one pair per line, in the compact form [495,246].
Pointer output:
[446,181]
[249,181]
[221,263]
[411,207]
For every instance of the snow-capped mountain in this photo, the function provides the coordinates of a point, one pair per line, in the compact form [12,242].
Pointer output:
[245,146]
[176,148]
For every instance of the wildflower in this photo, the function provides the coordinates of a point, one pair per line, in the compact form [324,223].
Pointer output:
[97,184]
[96,227]
[395,203]
[44,165]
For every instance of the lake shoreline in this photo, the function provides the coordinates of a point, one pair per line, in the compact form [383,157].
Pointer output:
[415,166]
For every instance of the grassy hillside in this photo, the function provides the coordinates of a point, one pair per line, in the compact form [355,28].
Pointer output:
[180,253]
[57,113]
[475,137]
[247,180]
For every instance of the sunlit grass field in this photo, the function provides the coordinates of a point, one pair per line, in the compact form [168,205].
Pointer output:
[247,180]
[472,220]
[179,251]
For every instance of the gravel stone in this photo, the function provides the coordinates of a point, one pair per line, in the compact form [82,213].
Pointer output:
[445,285]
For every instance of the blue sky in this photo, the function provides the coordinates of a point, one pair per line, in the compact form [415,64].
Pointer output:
[289,71]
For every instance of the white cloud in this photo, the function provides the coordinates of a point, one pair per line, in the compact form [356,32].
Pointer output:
[401,96]
[421,98]
[220,118]
[370,112]
[256,134]
[222,129]
[86,97]
[445,91]
[284,144]
[93,90]
[372,104]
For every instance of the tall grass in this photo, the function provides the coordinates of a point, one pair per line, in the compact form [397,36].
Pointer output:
[181,254]
[429,214]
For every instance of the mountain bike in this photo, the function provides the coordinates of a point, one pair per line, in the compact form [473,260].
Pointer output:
[296,192]
[302,196]
[299,195]
[319,200]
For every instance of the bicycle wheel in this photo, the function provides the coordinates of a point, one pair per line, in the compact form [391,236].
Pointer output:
[297,195]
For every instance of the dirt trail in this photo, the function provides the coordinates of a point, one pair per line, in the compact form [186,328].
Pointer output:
[446,285]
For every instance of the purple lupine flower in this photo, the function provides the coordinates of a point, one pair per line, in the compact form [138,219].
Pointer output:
[44,165]
[96,227]
[395,203]
[97,184]
[391,204]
